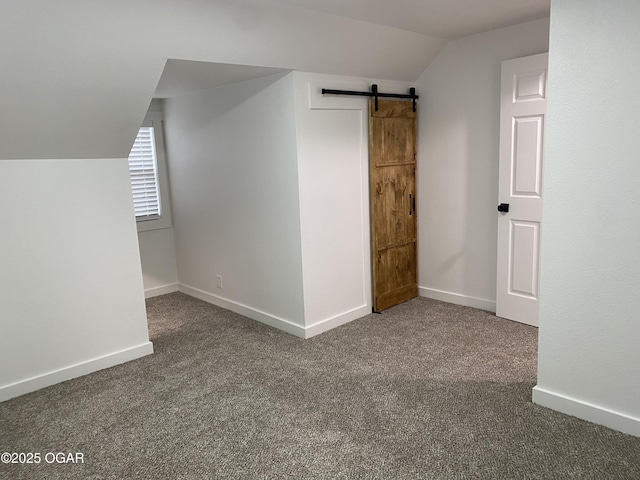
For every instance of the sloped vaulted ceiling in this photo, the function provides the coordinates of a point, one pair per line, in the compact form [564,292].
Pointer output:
[443,18]
[78,75]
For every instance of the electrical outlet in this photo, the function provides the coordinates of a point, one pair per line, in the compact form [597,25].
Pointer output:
[219,281]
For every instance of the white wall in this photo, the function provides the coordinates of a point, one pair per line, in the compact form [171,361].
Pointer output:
[234,188]
[65,309]
[158,260]
[157,248]
[458,162]
[589,355]
[332,135]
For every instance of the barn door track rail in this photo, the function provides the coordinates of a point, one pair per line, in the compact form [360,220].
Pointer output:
[375,94]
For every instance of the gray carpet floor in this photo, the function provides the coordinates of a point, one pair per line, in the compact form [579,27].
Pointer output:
[426,390]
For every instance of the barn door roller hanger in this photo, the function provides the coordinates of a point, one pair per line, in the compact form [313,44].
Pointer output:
[375,94]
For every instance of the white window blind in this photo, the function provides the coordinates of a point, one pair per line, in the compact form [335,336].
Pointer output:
[143,169]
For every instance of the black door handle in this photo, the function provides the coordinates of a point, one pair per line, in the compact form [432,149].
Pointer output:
[503,208]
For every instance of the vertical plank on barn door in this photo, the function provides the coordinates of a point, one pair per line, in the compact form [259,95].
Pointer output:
[392,164]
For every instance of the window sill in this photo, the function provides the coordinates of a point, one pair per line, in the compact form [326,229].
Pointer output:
[148,225]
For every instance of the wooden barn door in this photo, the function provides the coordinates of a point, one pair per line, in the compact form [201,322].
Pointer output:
[392,159]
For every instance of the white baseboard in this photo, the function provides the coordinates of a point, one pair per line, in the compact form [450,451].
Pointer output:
[45,380]
[276,322]
[162,290]
[587,411]
[465,300]
[262,317]
[330,323]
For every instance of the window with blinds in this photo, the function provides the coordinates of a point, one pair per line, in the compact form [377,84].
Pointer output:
[143,169]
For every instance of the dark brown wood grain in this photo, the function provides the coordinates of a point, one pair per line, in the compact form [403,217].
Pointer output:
[392,160]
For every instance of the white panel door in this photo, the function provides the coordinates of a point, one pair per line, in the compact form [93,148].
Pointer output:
[523,110]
